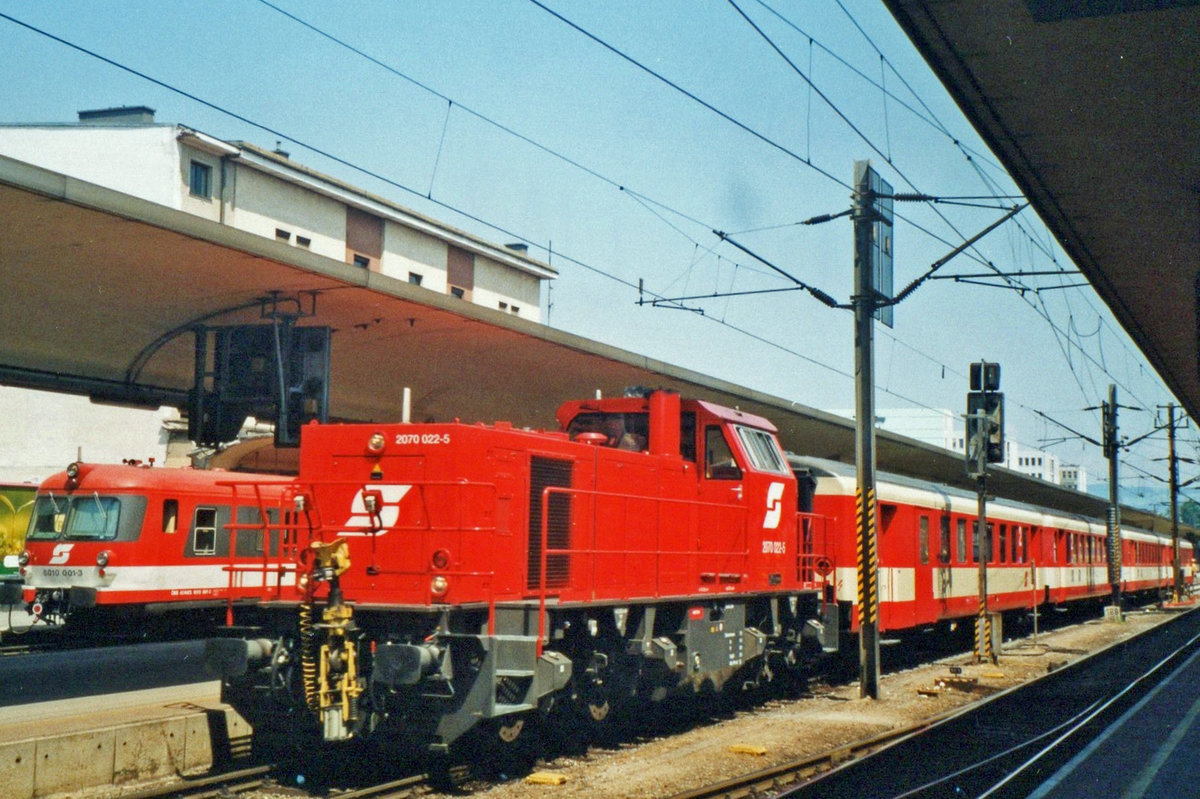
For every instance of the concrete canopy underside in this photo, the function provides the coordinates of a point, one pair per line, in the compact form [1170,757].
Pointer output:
[102,289]
[1092,107]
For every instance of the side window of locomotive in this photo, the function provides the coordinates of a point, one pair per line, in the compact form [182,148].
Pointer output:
[763,450]
[628,431]
[944,541]
[687,435]
[719,463]
[170,521]
[204,532]
[962,540]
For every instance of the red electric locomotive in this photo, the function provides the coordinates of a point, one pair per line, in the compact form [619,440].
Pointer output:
[127,542]
[470,576]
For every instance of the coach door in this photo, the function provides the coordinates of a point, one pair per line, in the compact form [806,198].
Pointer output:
[944,579]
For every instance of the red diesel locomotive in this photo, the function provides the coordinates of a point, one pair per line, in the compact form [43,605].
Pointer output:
[465,576]
[121,544]
[463,579]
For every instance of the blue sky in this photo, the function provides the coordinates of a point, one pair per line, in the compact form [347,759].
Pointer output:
[615,176]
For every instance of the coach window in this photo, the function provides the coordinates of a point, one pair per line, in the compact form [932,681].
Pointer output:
[170,515]
[204,532]
[1003,553]
[944,543]
[718,456]
[923,538]
[962,540]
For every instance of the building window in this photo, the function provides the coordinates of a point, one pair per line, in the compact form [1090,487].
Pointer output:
[515,309]
[282,235]
[503,306]
[460,272]
[364,237]
[303,241]
[414,278]
[200,180]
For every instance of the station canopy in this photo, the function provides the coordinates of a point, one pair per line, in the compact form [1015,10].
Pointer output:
[1092,107]
[101,290]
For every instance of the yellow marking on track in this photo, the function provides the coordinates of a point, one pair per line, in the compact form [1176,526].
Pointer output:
[546,778]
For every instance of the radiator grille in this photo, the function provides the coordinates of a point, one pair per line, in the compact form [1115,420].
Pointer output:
[545,472]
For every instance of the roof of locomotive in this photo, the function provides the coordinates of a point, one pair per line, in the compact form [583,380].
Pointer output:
[570,409]
[126,477]
[896,487]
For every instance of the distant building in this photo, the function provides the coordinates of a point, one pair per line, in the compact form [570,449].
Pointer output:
[946,429]
[265,192]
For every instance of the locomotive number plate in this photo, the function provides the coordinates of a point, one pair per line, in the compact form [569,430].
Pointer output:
[403,439]
[65,574]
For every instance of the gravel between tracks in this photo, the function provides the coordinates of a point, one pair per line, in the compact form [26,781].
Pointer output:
[790,729]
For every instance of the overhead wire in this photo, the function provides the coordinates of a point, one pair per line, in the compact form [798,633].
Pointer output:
[645,201]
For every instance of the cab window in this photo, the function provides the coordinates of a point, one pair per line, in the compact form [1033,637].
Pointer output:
[762,449]
[84,518]
[629,431]
[719,463]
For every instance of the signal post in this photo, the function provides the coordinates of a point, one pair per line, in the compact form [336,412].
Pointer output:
[985,444]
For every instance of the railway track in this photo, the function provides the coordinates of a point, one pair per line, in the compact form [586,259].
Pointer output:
[250,781]
[998,748]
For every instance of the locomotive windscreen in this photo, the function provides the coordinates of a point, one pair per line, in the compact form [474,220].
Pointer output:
[544,472]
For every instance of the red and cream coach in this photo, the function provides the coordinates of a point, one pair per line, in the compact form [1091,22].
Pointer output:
[929,558]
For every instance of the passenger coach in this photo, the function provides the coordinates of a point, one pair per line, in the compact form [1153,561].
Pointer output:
[929,555]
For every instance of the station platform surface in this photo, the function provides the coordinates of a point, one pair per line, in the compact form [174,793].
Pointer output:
[84,745]
[1149,752]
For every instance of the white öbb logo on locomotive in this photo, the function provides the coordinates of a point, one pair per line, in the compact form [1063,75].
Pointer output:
[774,506]
[60,555]
[363,522]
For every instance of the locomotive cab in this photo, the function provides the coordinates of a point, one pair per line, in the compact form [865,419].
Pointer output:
[127,540]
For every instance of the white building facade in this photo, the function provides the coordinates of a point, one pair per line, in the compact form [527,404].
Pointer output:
[264,192]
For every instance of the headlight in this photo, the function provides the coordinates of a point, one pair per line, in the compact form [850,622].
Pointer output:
[440,559]
[376,443]
[73,471]
[23,559]
[102,558]
[439,585]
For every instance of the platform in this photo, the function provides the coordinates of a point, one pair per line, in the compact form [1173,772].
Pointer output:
[1149,752]
[74,745]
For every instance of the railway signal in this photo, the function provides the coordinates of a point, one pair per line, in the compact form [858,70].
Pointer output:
[985,444]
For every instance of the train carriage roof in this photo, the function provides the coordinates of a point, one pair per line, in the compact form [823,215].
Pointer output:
[899,488]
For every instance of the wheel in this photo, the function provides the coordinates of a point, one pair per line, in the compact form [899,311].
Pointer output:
[504,747]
